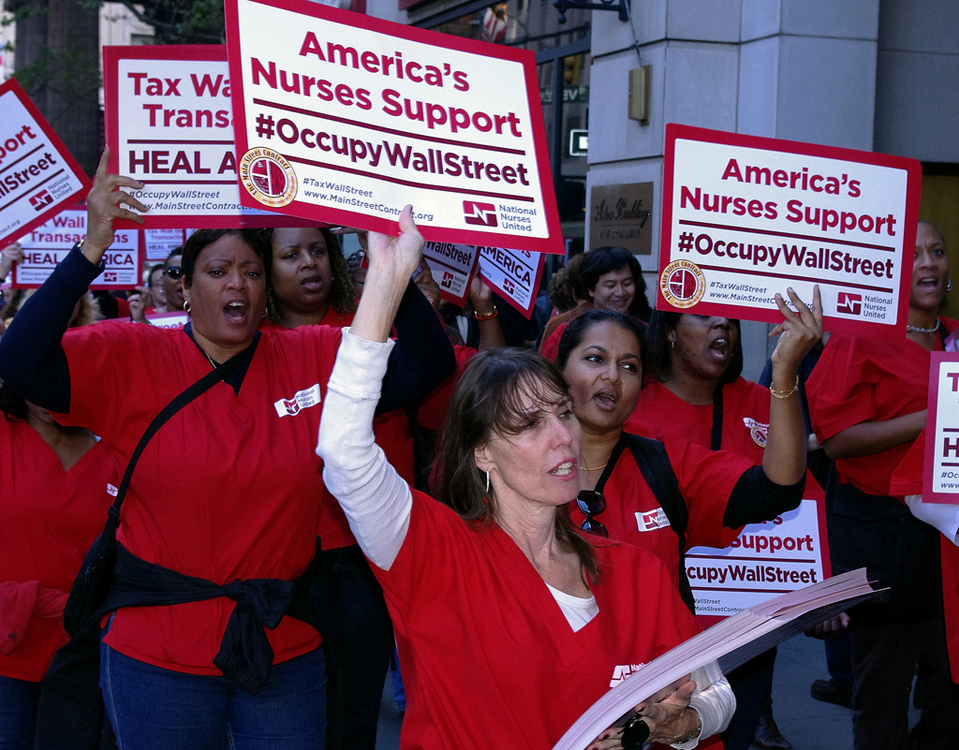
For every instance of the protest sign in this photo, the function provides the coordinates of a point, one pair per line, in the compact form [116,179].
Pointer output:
[169,124]
[168,320]
[159,243]
[746,217]
[768,559]
[515,274]
[452,268]
[347,118]
[46,245]
[941,471]
[38,176]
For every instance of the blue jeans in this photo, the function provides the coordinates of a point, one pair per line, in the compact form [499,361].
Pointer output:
[152,708]
[18,713]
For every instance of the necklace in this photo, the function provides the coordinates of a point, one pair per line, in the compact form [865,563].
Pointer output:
[210,359]
[594,468]
[917,329]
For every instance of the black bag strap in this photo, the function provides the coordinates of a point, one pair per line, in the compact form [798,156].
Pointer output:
[222,372]
[716,436]
[653,462]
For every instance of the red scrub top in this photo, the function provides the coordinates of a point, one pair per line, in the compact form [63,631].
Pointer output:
[745,417]
[50,518]
[229,488]
[706,479]
[908,480]
[859,380]
[488,656]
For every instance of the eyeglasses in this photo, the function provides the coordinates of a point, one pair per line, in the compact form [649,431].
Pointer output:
[592,503]
[174,272]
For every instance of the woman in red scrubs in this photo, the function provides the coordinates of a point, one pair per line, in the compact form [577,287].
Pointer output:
[225,501]
[867,400]
[494,595]
[55,485]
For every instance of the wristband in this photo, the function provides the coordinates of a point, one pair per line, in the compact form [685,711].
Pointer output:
[487,316]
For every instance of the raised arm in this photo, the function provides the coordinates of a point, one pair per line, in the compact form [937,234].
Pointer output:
[375,500]
[32,360]
[784,458]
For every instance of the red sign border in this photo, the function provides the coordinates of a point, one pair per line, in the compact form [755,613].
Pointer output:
[932,419]
[552,243]
[12,86]
[534,289]
[112,55]
[912,167]
[81,208]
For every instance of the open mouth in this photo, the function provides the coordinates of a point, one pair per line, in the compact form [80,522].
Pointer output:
[720,349]
[312,283]
[606,400]
[565,469]
[235,311]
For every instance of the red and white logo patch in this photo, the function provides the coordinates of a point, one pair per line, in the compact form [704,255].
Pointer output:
[758,431]
[652,520]
[301,400]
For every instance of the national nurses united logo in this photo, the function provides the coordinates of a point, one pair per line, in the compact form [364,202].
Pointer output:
[268,177]
[682,284]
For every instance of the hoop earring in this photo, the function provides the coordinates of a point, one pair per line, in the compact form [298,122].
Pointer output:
[186,307]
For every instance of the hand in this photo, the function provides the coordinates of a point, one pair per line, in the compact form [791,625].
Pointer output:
[398,256]
[798,333]
[138,304]
[361,235]
[104,205]
[829,628]
[9,256]
[481,295]
[423,278]
[667,713]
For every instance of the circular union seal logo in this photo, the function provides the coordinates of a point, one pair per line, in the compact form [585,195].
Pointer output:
[682,284]
[268,177]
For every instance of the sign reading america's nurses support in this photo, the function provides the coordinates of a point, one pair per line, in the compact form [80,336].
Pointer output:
[346,118]
[169,124]
[38,176]
[747,217]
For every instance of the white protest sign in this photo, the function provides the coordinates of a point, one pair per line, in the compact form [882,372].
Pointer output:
[38,176]
[169,124]
[941,471]
[46,245]
[747,217]
[767,559]
[169,319]
[452,268]
[159,243]
[347,118]
[515,274]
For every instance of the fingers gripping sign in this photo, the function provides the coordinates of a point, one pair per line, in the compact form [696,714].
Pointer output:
[799,330]
[105,203]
